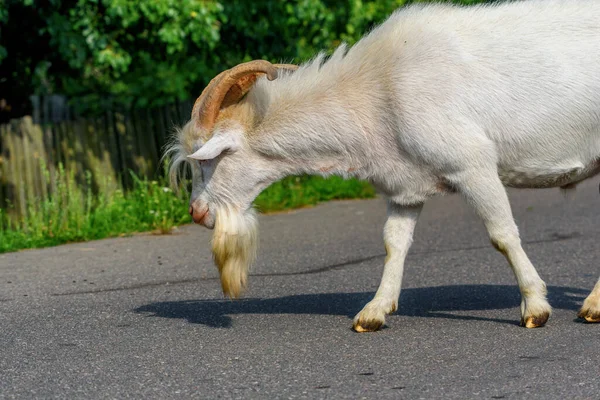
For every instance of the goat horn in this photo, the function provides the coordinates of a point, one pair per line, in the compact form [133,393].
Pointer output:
[230,86]
[243,85]
[207,106]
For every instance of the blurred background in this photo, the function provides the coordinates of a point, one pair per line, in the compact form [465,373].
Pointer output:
[90,90]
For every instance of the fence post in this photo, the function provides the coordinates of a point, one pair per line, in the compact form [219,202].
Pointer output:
[107,146]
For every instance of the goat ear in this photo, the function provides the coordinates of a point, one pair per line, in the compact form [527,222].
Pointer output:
[217,145]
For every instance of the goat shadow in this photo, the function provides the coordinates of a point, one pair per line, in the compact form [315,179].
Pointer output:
[428,302]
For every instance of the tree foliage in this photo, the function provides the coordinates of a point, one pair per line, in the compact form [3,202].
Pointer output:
[102,53]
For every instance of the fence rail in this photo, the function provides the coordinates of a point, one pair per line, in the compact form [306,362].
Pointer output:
[107,146]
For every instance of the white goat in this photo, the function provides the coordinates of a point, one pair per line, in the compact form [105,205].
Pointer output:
[437,99]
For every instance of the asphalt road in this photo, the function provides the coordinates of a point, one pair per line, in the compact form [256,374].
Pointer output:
[143,317]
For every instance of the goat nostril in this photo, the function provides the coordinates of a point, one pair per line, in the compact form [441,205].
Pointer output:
[191,210]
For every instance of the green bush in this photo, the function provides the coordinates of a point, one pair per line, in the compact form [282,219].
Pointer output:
[112,53]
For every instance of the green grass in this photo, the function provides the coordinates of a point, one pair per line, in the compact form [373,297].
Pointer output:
[296,192]
[75,215]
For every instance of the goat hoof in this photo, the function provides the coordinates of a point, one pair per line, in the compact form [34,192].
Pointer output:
[372,317]
[590,311]
[535,321]
[367,326]
[589,315]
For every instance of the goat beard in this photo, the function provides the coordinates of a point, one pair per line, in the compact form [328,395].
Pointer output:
[234,247]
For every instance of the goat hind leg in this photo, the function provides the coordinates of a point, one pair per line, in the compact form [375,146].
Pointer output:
[397,233]
[590,310]
[484,191]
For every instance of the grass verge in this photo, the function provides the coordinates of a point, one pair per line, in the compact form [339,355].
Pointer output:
[75,215]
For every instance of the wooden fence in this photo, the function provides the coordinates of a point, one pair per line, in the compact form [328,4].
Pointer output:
[107,146]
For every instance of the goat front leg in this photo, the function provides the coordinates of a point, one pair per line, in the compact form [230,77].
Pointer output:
[484,191]
[397,235]
[590,310]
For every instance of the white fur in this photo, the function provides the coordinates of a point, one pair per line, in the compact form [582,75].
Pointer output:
[437,98]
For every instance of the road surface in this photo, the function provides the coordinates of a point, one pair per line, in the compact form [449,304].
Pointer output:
[143,317]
